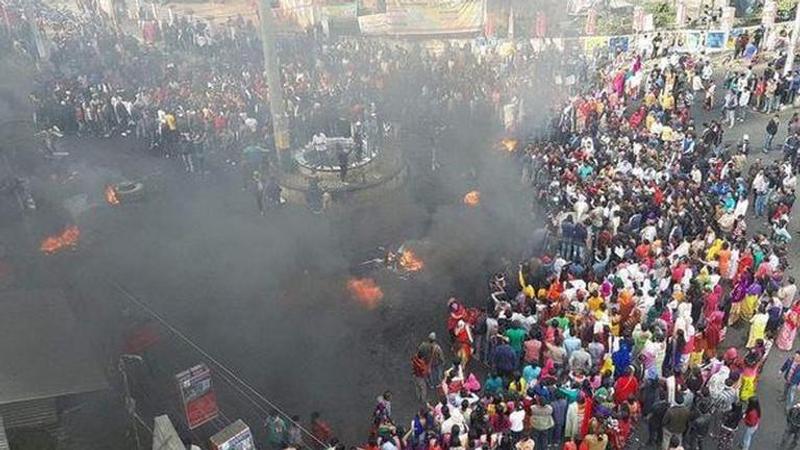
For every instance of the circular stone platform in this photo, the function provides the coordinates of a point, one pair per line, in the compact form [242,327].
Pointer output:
[378,171]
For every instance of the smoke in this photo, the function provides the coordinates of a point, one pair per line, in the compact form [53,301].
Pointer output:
[267,295]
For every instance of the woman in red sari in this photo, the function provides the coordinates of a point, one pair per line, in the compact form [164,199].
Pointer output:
[713,333]
[625,387]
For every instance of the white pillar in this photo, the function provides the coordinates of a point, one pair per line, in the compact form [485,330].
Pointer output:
[792,42]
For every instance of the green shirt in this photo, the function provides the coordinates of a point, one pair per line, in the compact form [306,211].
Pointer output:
[516,336]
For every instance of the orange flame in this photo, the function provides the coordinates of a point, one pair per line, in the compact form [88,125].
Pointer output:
[365,291]
[410,261]
[111,195]
[472,199]
[510,145]
[67,239]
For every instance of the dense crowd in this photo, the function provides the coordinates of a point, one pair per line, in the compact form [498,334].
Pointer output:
[647,263]
[186,87]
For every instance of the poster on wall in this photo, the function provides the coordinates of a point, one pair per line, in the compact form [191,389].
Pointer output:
[715,40]
[197,395]
[693,41]
[618,43]
[591,44]
[730,43]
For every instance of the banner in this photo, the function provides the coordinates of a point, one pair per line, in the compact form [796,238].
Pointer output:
[638,19]
[591,22]
[304,12]
[340,12]
[648,23]
[423,17]
[768,13]
[681,14]
[199,399]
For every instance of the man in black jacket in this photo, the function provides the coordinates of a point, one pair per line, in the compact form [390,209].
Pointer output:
[772,130]
[792,432]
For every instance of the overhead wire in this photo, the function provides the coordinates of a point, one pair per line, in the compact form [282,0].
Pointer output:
[223,368]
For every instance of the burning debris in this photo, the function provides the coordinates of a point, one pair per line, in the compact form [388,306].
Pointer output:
[472,199]
[111,196]
[410,262]
[508,144]
[365,291]
[67,239]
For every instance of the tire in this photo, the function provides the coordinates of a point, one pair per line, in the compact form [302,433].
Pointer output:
[129,191]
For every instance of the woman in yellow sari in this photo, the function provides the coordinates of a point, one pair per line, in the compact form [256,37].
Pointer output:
[750,302]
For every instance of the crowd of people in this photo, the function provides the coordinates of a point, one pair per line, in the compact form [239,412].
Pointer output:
[648,263]
[185,87]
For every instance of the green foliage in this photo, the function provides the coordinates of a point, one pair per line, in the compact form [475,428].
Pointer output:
[786,6]
[786,9]
[609,24]
[663,14]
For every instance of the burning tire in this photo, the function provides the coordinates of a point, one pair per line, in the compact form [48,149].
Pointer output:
[129,191]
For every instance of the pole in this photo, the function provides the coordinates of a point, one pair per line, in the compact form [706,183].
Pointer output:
[272,70]
[787,68]
[30,13]
[130,403]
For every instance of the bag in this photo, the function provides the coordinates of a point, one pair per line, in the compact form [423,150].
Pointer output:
[419,367]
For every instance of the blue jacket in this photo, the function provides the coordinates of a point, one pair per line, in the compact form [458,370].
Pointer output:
[787,365]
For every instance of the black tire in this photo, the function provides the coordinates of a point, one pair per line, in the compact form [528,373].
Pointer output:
[129,191]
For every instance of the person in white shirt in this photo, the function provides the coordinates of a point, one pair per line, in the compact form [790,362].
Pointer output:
[517,421]
[787,293]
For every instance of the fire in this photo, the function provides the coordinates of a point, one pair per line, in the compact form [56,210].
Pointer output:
[472,199]
[410,261]
[67,239]
[111,195]
[510,145]
[365,291]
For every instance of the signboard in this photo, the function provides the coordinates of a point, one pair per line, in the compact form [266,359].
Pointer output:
[715,40]
[236,436]
[197,395]
[413,17]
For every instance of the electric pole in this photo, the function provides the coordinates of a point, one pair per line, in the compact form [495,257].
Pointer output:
[787,68]
[272,70]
